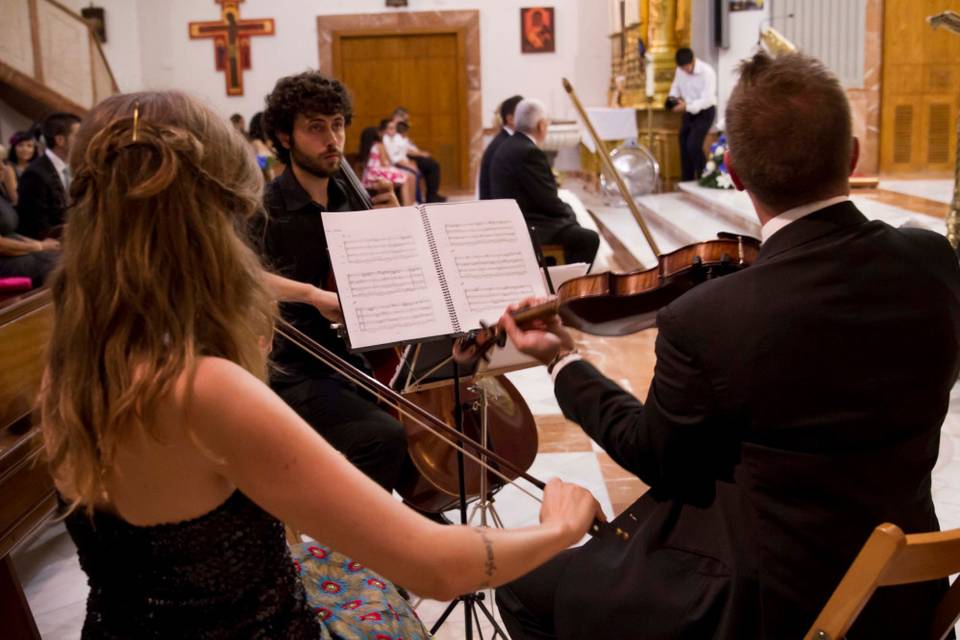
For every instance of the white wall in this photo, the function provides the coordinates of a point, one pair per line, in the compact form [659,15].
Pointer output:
[744,35]
[169,59]
[122,48]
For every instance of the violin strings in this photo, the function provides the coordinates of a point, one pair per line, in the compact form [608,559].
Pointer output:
[444,437]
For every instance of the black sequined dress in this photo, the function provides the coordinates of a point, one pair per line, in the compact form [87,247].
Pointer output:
[226,574]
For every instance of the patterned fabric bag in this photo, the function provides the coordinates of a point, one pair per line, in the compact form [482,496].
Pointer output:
[351,601]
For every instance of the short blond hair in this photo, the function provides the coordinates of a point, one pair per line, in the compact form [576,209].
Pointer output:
[789,130]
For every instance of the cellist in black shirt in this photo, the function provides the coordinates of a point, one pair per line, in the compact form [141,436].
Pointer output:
[306,117]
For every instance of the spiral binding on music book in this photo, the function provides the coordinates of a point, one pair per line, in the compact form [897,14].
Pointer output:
[444,287]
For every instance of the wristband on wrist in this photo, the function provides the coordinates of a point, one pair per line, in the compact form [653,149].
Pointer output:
[560,356]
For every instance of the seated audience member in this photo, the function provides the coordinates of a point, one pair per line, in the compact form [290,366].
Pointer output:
[176,462]
[388,128]
[506,112]
[263,148]
[400,147]
[23,151]
[239,123]
[377,167]
[786,418]
[20,256]
[520,170]
[44,187]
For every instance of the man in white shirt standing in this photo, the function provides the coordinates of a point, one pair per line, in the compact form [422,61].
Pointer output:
[695,90]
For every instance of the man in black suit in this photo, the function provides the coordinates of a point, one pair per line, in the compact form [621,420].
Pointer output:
[521,171]
[44,185]
[795,405]
[507,109]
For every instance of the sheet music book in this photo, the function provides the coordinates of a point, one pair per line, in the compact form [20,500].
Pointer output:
[410,274]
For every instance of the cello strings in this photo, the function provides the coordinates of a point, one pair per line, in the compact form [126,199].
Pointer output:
[419,421]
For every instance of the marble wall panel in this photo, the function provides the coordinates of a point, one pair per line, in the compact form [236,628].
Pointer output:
[16,44]
[65,52]
[467,22]
[865,102]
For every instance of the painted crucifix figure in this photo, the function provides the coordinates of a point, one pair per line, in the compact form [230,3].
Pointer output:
[231,41]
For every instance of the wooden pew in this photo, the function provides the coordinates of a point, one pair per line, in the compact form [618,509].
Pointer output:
[27,498]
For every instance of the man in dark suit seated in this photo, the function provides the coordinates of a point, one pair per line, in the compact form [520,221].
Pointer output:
[520,170]
[44,186]
[795,405]
[507,109]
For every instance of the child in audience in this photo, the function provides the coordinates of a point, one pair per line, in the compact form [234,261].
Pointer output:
[376,166]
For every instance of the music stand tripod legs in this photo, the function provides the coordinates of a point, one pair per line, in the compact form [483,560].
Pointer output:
[484,506]
[472,602]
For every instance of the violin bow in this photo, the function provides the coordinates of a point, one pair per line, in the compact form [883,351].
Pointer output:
[612,169]
[460,442]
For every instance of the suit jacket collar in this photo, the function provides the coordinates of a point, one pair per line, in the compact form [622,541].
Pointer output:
[524,139]
[816,225]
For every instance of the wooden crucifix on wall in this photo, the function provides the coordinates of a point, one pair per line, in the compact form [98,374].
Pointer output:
[231,41]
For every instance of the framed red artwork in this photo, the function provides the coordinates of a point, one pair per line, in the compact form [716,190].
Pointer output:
[537,33]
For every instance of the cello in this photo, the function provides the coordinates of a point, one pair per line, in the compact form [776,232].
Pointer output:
[493,413]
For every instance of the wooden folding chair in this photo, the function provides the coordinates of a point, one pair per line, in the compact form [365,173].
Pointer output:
[890,558]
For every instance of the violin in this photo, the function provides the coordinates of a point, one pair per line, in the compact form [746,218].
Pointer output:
[504,422]
[617,304]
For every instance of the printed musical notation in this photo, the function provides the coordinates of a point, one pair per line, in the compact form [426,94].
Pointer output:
[490,265]
[478,233]
[394,316]
[385,282]
[379,249]
[482,299]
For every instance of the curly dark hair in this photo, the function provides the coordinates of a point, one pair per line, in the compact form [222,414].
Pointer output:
[309,93]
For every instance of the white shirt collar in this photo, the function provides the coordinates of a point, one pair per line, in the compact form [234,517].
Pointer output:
[508,130]
[57,161]
[792,215]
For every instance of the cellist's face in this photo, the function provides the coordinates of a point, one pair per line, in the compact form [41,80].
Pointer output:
[316,142]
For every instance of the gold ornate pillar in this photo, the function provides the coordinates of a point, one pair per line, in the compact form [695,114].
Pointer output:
[664,27]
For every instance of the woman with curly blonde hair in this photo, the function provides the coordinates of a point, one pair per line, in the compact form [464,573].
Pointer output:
[177,461]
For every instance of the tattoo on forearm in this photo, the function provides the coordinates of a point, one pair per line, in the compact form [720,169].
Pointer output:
[489,565]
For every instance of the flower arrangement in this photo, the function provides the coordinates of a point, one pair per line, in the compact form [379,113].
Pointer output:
[715,174]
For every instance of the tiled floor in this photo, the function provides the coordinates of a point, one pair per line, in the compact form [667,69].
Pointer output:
[56,587]
[934,190]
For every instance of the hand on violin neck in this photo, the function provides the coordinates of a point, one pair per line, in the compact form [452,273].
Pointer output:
[542,339]
[327,303]
[383,196]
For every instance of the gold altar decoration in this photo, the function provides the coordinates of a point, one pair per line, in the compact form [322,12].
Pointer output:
[951,20]
[664,27]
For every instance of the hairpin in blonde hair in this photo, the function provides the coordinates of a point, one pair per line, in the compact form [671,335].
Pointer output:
[136,120]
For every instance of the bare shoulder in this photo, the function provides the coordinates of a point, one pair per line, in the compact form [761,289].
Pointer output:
[222,395]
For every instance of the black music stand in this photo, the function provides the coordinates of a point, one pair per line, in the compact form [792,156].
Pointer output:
[428,365]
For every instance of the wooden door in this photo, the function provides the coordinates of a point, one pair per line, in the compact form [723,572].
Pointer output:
[921,89]
[424,73]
